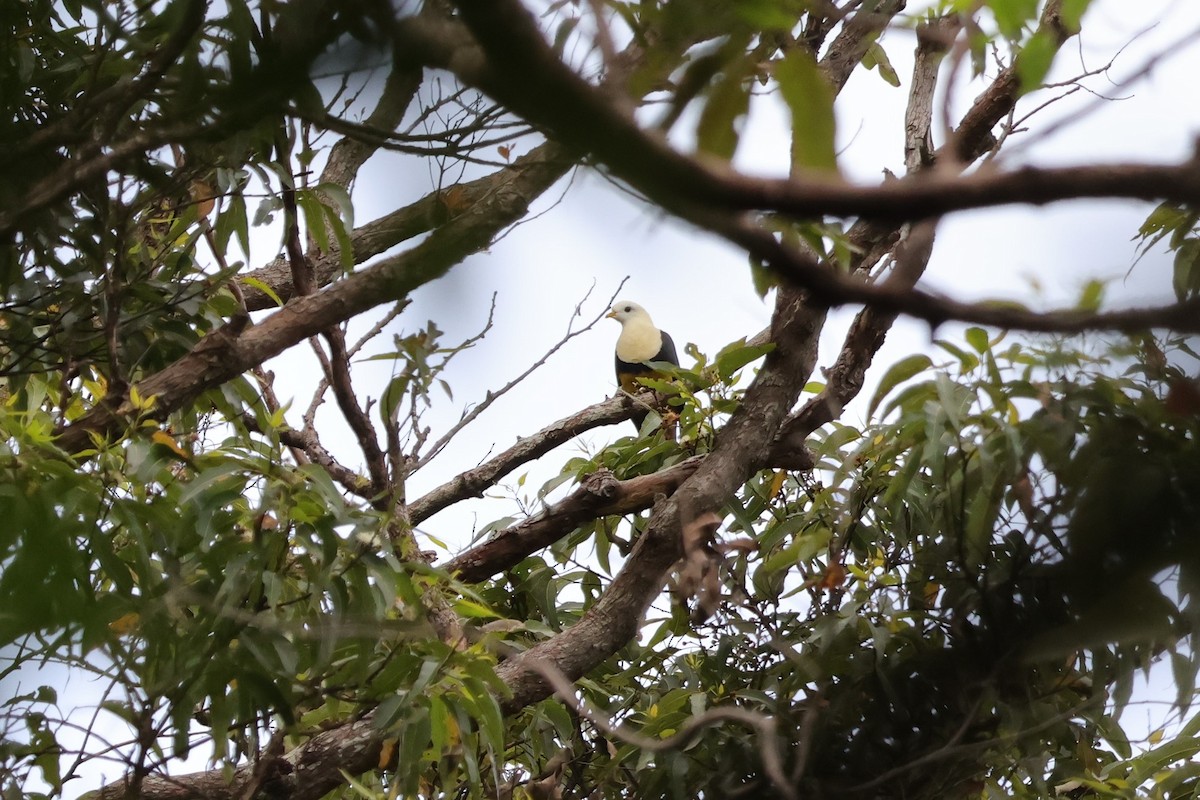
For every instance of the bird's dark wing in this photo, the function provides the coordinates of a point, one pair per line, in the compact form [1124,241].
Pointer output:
[628,373]
[667,351]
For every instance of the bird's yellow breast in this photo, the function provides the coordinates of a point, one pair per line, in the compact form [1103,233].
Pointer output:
[638,342]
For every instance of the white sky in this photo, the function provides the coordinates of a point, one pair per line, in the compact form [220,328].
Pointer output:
[698,288]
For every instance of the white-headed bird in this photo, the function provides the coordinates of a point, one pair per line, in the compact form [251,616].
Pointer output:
[639,344]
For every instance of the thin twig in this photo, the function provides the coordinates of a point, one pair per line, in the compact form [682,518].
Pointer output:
[763,725]
[492,397]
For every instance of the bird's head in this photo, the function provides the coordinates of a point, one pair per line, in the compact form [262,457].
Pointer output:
[624,311]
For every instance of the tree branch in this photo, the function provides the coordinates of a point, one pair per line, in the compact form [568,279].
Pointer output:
[741,448]
[405,223]
[474,482]
[234,348]
[599,495]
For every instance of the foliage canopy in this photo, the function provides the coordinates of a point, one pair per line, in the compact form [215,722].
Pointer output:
[953,598]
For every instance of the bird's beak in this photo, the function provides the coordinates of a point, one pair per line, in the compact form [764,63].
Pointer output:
[611,315]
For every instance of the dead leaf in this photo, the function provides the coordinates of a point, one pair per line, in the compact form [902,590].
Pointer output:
[835,576]
[1023,491]
[699,575]
[1183,398]
[387,751]
[455,200]
[203,196]
[777,483]
[168,441]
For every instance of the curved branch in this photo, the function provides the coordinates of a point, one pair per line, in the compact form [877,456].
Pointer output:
[234,348]
[405,223]
[474,482]
[742,447]
[599,495]
[518,68]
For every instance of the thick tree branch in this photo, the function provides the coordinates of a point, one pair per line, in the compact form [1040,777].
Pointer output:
[405,223]
[233,349]
[858,33]
[828,287]
[520,70]
[741,448]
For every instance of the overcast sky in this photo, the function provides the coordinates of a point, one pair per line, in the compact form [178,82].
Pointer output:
[698,288]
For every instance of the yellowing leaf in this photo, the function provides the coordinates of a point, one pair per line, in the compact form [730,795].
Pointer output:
[168,441]
[126,623]
[835,576]
[386,751]
[877,59]
[202,195]
[138,402]
[255,283]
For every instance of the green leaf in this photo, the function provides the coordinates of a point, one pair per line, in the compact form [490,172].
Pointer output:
[415,738]
[810,99]
[1186,277]
[875,58]
[900,371]
[1092,296]
[762,276]
[1035,59]
[1012,15]
[1165,218]
[255,283]
[737,355]
[966,361]
[766,15]
[314,218]
[393,394]
[719,127]
[473,610]
[977,338]
[1072,14]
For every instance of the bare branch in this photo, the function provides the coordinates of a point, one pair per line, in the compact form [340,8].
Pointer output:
[599,495]
[424,215]
[474,482]
[234,348]
[356,417]
[351,152]
[491,397]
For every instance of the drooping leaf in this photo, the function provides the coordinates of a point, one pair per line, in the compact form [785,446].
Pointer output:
[897,374]
[810,99]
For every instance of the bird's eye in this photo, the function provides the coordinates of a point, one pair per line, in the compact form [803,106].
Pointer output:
[628,309]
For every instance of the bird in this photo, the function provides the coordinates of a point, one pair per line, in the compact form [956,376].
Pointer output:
[639,344]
